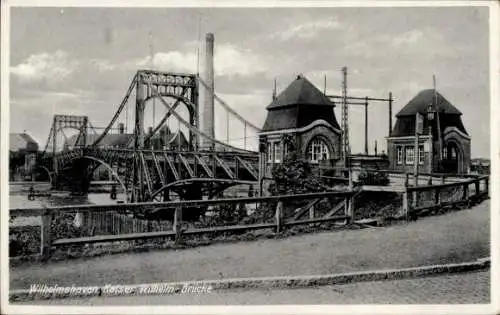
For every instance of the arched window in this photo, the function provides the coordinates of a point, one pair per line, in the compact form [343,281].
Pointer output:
[317,151]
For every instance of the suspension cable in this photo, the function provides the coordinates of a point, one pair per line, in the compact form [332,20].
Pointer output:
[118,112]
[226,106]
[198,132]
[166,116]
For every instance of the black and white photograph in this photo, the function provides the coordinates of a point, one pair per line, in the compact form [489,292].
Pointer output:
[250,157]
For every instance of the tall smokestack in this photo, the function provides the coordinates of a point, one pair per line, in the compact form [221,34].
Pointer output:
[208,102]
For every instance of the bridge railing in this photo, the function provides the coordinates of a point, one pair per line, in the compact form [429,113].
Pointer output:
[420,199]
[398,172]
[273,213]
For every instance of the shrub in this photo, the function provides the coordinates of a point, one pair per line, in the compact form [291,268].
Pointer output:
[294,175]
[373,178]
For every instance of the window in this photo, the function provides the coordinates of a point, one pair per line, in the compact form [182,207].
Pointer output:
[317,151]
[399,152]
[409,155]
[277,152]
[421,154]
[274,152]
[270,152]
[445,153]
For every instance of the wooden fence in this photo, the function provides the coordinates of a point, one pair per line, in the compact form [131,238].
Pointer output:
[415,200]
[177,231]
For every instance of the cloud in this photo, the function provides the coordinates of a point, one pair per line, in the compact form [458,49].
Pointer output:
[423,44]
[408,38]
[54,66]
[229,60]
[175,61]
[102,65]
[307,30]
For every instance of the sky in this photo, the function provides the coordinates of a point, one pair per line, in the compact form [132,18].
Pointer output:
[81,60]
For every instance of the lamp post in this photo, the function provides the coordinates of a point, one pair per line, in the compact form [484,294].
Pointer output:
[416,151]
[430,117]
[262,162]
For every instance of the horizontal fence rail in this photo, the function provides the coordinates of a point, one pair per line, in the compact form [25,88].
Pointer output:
[418,199]
[123,228]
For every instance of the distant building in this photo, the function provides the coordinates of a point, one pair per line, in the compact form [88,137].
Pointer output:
[455,153]
[22,142]
[22,153]
[121,140]
[305,114]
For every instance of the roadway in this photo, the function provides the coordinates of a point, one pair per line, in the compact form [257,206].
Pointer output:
[466,288]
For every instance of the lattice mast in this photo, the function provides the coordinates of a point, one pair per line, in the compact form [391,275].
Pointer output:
[345,118]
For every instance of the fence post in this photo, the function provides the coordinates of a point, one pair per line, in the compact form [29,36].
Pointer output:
[178,224]
[415,198]
[487,186]
[406,183]
[442,179]
[404,210]
[429,182]
[279,217]
[45,233]
[476,185]
[465,191]
[437,199]
[347,210]
[311,212]
[351,207]
[350,178]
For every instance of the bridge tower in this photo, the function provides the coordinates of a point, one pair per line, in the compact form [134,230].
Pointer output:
[182,87]
[59,123]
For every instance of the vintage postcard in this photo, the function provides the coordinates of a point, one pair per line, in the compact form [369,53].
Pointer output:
[250,157]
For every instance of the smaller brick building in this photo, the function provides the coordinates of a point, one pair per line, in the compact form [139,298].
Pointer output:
[455,151]
[306,115]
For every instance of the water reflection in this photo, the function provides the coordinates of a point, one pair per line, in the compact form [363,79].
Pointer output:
[18,199]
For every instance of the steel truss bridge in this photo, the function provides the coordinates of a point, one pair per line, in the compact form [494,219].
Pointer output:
[143,173]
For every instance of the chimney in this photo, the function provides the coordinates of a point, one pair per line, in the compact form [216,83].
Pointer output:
[208,102]
[121,128]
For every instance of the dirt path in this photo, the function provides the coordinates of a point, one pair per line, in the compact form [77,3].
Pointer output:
[455,237]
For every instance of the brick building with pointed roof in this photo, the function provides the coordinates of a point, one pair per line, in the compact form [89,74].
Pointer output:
[455,141]
[306,115]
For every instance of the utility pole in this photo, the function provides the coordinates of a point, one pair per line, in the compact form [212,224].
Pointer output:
[390,114]
[345,118]
[366,126]
[152,65]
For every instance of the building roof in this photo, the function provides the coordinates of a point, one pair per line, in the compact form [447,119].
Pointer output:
[300,92]
[449,115]
[22,141]
[110,140]
[405,125]
[422,100]
[299,105]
